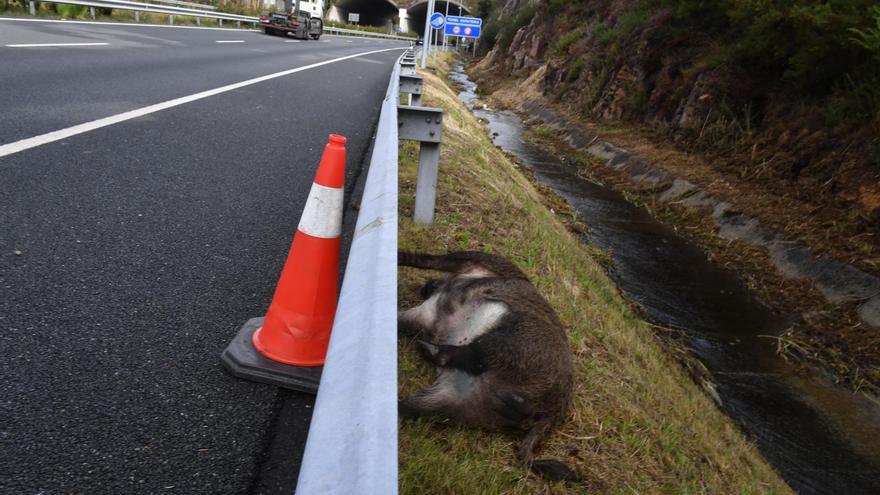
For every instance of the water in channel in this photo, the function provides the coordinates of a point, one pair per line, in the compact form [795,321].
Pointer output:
[820,437]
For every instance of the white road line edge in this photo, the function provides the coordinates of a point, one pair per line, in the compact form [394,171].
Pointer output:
[293,41]
[229,41]
[40,45]
[50,137]
[100,23]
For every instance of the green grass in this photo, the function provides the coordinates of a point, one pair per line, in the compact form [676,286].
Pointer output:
[574,72]
[68,11]
[638,423]
[566,40]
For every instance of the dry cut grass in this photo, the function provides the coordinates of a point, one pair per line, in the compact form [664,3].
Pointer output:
[638,424]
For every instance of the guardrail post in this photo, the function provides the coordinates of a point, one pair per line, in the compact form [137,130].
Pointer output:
[171,20]
[238,23]
[32,8]
[92,13]
[220,21]
[137,16]
[425,125]
[198,21]
[412,85]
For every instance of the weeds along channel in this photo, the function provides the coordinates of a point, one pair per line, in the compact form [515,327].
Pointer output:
[638,423]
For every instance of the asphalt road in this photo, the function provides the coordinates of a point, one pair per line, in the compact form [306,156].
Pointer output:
[131,254]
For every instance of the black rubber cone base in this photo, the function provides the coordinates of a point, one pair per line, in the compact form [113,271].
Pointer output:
[243,361]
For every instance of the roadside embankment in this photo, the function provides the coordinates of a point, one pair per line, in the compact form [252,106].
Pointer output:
[752,129]
[60,11]
[832,304]
[638,423]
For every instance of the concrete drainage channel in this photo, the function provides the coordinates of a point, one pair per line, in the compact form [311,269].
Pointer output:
[838,282]
[352,439]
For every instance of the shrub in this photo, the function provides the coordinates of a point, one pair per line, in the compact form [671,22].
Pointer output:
[603,35]
[574,72]
[484,8]
[71,11]
[566,40]
[869,38]
[818,48]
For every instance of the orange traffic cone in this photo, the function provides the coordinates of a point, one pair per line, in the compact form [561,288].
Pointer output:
[296,330]
[297,326]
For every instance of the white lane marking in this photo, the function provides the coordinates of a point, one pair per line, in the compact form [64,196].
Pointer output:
[50,137]
[293,41]
[40,45]
[100,23]
[322,216]
[229,41]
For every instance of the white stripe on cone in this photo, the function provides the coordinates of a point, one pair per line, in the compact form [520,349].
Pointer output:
[322,216]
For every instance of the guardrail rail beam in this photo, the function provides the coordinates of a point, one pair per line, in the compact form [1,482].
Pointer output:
[352,443]
[407,68]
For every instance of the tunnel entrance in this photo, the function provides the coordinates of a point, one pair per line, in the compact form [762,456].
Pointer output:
[379,13]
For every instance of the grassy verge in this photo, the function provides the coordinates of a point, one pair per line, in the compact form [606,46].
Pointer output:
[638,424]
[48,11]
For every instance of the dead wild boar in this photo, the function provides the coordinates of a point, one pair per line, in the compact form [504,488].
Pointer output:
[503,358]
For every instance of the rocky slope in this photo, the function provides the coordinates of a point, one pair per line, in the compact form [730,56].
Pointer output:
[619,60]
[797,152]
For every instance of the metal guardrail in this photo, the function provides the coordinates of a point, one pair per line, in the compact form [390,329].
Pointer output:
[369,34]
[187,4]
[352,442]
[159,9]
[200,12]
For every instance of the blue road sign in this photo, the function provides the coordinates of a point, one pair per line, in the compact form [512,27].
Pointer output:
[437,20]
[468,27]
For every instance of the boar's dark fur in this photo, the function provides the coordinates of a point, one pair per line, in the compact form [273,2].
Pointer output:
[503,358]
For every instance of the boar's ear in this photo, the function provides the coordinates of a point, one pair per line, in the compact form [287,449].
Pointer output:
[430,288]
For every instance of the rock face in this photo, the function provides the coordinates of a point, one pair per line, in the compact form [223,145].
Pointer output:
[636,78]
[616,60]
[620,61]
